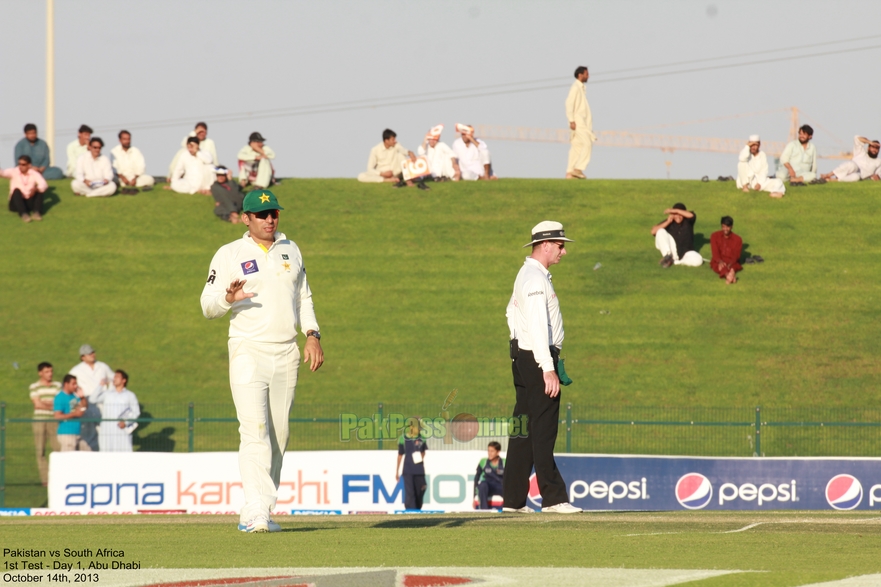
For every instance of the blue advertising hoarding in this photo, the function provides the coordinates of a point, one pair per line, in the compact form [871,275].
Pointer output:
[648,483]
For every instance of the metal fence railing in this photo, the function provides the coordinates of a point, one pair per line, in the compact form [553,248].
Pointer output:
[583,429]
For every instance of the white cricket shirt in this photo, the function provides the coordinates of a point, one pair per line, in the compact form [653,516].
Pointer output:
[533,313]
[277,276]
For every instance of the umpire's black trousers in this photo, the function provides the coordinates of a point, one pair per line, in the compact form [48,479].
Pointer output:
[537,447]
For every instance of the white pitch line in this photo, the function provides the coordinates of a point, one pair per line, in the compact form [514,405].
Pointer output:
[745,528]
[654,534]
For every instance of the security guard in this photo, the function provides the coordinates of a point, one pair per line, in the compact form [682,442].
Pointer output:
[536,327]
[262,279]
[490,476]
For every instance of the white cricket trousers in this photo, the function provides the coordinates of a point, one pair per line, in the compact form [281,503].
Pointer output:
[263,377]
[664,242]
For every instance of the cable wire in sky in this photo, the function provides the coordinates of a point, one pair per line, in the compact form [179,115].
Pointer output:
[477,92]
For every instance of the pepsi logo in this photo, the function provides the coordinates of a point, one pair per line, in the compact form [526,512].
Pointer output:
[534,493]
[694,491]
[844,492]
[249,265]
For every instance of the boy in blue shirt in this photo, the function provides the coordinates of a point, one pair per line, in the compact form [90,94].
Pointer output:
[490,475]
[70,405]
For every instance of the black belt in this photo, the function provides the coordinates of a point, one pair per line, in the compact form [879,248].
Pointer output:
[515,348]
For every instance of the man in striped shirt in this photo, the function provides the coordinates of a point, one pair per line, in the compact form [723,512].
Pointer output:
[45,427]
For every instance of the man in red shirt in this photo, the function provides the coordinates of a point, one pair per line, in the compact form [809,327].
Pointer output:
[727,248]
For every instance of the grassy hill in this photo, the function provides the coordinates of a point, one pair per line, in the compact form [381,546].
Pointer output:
[410,289]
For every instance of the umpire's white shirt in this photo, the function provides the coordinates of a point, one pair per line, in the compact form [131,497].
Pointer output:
[277,276]
[534,317]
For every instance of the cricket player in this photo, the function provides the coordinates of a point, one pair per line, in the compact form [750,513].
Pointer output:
[262,279]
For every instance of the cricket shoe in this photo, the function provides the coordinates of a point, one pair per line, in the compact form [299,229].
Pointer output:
[259,525]
[524,510]
[562,508]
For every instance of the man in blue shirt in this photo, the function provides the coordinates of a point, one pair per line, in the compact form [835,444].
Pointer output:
[411,448]
[70,405]
[38,151]
[490,476]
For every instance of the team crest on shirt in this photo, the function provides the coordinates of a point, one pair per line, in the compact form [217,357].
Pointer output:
[249,267]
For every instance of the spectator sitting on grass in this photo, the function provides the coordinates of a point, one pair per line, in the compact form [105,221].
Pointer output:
[93,176]
[228,196]
[76,148]
[26,188]
[727,248]
[194,171]
[131,169]
[38,151]
[674,237]
[255,163]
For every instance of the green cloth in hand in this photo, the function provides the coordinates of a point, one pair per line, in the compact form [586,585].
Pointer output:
[561,372]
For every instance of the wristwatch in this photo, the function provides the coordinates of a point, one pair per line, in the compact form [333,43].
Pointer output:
[314,333]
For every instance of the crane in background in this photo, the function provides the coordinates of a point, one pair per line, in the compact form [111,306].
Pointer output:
[627,139]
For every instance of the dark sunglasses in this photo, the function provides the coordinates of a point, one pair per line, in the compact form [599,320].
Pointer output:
[266,214]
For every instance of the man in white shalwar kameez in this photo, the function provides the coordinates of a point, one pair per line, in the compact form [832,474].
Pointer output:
[752,170]
[93,176]
[193,172]
[581,137]
[93,377]
[121,406]
[475,161]
[128,161]
[798,161]
[441,160]
[78,147]
[255,159]
[865,163]
[205,144]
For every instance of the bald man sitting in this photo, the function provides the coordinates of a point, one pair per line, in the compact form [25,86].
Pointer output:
[752,170]
[864,165]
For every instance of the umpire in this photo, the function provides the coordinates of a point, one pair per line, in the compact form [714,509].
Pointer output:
[536,327]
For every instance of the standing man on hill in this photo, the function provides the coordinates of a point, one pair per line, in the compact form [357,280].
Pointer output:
[581,137]
[536,327]
[263,354]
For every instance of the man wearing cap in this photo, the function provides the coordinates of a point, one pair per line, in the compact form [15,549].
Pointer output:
[129,164]
[385,160]
[727,248]
[674,237]
[581,137]
[798,161]
[865,163]
[228,196]
[205,144]
[255,163]
[441,159]
[93,176]
[93,376]
[262,279]
[77,147]
[752,170]
[193,172]
[536,328]
[475,161]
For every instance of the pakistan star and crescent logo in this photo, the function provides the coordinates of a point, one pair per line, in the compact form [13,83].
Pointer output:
[264,198]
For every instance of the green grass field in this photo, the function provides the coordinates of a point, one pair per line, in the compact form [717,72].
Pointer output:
[780,549]
[411,287]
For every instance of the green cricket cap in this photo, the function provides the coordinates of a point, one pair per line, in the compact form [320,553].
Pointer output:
[260,200]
